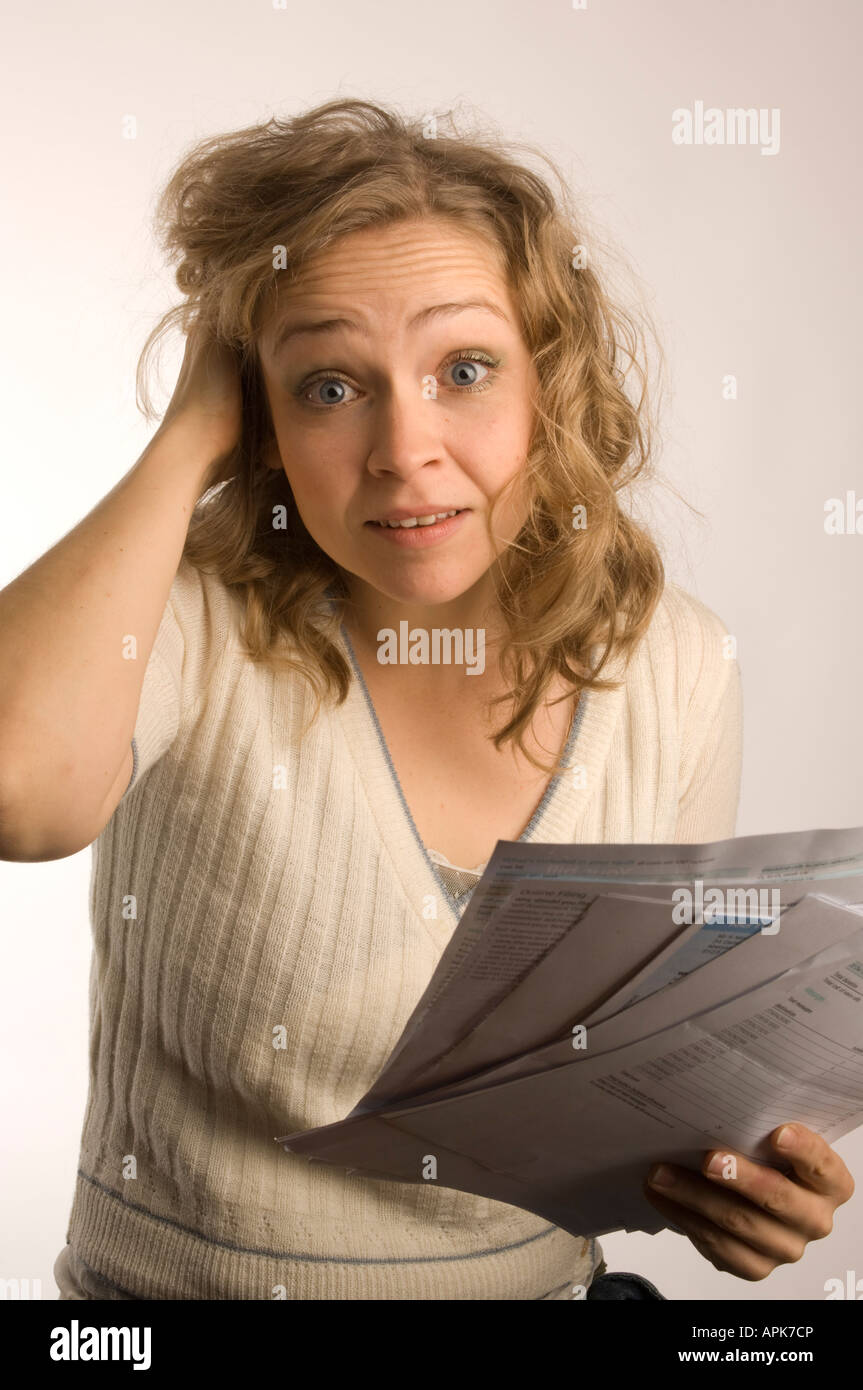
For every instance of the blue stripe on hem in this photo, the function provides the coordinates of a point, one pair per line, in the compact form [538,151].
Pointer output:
[304,1257]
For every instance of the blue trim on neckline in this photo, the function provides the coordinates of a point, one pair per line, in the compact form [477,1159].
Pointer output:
[551,790]
[448,896]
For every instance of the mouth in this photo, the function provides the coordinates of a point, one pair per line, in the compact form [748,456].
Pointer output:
[401,521]
[419,532]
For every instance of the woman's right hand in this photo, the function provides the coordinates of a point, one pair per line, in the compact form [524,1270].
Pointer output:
[207,398]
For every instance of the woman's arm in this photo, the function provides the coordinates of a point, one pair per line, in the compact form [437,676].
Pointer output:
[69,691]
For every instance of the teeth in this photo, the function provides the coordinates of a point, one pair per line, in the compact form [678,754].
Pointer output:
[417,520]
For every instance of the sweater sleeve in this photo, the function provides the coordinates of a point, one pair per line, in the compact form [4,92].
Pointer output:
[712,740]
[171,686]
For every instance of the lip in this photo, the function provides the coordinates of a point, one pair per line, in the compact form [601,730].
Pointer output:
[416,537]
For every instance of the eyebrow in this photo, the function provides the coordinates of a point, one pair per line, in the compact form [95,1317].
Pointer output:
[303,327]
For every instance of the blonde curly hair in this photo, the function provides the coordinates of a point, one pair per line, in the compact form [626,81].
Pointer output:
[570,597]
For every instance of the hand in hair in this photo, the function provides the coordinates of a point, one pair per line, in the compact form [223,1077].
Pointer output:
[207,398]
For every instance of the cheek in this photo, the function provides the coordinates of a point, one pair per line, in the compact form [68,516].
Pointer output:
[321,493]
[513,506]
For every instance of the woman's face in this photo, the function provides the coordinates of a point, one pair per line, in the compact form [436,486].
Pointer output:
[411,403]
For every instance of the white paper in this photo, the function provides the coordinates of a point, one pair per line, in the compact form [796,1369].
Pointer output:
[575,1032]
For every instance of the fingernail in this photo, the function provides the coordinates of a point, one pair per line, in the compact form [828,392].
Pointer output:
[715,1165]
[785,1137]
[661,1177]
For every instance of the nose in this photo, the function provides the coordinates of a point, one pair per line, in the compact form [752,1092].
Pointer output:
[405,428]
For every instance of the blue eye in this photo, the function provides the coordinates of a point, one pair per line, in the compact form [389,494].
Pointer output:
[466,360]
[330,382]
[462,363]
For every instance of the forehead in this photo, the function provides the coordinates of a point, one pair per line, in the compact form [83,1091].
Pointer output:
[397,266]
[427,244]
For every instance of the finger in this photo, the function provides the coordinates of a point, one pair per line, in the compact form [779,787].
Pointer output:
[779,1195]
[738,1217]
[814,1162]
[723,1250]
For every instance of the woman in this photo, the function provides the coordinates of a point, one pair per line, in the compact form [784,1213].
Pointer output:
[407,387]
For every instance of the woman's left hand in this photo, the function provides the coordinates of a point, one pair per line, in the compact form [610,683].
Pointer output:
[747,1218]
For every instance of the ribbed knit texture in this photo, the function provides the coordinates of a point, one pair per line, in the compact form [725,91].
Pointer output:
[257,885]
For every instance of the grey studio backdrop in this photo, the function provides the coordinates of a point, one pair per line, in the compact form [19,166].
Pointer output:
[747,254]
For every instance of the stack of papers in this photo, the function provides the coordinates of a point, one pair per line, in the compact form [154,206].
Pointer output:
[600,1008]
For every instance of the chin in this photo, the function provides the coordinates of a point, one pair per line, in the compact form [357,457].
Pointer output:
[427,593]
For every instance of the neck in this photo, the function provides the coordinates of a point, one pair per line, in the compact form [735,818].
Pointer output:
[432,644]
[369,612]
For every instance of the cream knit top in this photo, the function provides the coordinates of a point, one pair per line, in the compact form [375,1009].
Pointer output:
[265,918]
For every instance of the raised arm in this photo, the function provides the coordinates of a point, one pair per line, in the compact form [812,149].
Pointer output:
[68,695]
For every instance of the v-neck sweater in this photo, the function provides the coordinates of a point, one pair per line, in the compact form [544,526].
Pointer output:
[265,918]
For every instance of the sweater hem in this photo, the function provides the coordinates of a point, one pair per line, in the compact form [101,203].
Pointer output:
[148,1257]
